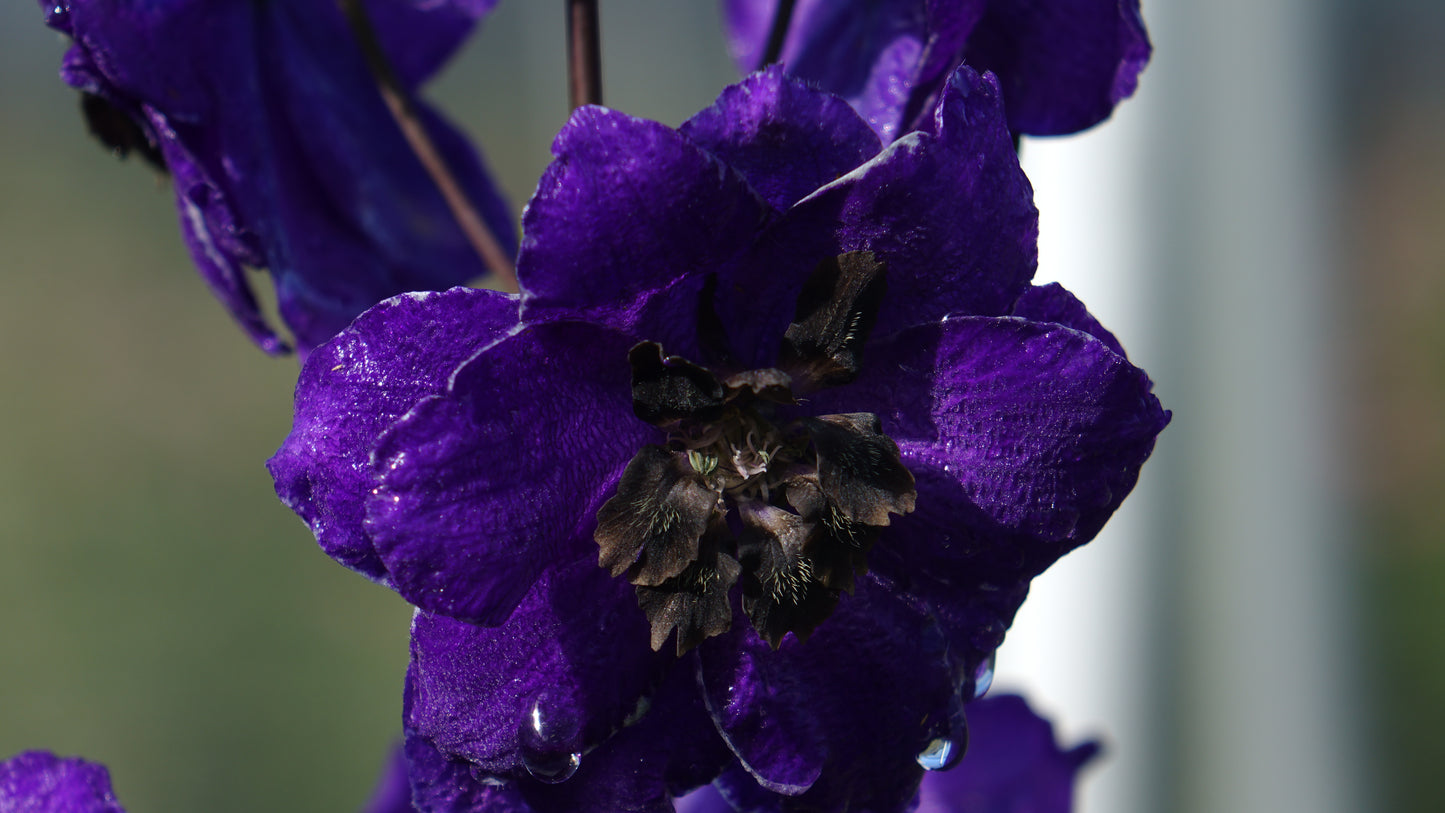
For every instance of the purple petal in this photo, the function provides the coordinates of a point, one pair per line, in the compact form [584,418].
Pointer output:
[575,654]
[950,214]
[784,137]
[1063,64]
[671,750]
[874,683]
[355,386]
[419,35]
[1023,438]
[482,488]
[41,782]
[706,799]
[1053,303]
[393,789]
[624,223]
[284,154]
[1013,765]
[442,785]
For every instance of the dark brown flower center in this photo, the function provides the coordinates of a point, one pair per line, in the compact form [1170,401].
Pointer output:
[747,489]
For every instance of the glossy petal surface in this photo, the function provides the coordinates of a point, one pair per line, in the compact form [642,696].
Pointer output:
[355,386]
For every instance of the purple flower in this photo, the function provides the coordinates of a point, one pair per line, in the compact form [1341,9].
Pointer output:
[41,782]
[798,398]
[1013,765]
[1062,64]
[282,152]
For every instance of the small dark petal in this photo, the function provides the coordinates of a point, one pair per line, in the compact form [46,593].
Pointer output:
[769,384]
[835,312]
[695,603]
[667,389]
[118,131]
[781,593]
[651,526]
[837,546]
[859,468]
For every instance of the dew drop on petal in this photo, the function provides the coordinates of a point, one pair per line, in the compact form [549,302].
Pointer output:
[548,739]
[983,676]
[940,754]
[948,740]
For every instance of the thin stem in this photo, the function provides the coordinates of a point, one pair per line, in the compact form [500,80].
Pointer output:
[778,34]
[584,53]
[403,110]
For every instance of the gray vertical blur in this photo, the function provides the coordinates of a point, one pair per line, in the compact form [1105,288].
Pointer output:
[1264,712]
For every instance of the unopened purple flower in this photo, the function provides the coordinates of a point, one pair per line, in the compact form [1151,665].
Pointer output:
[796,396]
[282,152]
[41,782]
[1062,64]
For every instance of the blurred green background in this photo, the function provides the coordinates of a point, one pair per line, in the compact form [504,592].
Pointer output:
[163,613]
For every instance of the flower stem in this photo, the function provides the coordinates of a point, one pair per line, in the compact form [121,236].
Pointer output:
[778,34]
[403,110]
[584,53]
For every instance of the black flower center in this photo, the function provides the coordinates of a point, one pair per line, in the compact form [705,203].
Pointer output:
[747,486]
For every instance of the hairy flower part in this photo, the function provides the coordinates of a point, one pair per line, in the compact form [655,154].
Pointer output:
[281,152]
[1063,64]
[747,484]
[810,493]
[41,782]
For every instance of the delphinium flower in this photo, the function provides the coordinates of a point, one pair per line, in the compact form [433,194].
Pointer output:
[1062,64]
[747,484]
[282,152]
[41,782]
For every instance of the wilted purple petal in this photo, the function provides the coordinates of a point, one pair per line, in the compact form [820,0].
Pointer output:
[355,386]
[41,782]
[283,152]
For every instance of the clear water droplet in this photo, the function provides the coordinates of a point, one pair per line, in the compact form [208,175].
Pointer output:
[549,738]
[983,676]
[940,754]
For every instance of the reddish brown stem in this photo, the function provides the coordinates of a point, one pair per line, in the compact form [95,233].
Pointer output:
[584,53]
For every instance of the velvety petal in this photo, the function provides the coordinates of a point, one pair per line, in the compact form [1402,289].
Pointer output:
[420,35]
[1023,437]
[1013,765]
[442,785]
[557,679]
[1063,64]
[283,152]
[873,685]
[950,215]
[672,749]
[1053,303]
[786,138]
[483,487]
[625,221]
[1045,427]
[354,387]
[41,782]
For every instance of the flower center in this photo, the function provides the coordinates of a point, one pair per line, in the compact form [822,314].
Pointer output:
[748,489]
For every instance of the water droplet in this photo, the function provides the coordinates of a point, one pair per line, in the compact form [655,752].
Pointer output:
[549,738]
[947,739]
[940,754]
[983,676]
